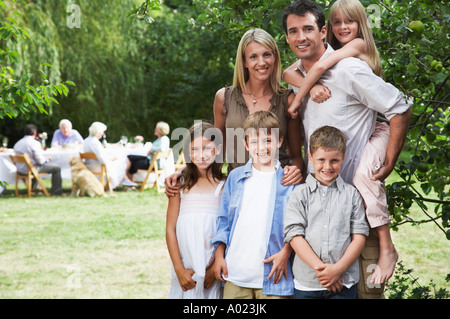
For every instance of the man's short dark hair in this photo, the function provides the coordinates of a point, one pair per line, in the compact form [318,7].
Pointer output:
[303,7]
[30,129]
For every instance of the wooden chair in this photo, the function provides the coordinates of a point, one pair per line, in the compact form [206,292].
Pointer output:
[103,173]
[28,178]
[181,162]
[154,168]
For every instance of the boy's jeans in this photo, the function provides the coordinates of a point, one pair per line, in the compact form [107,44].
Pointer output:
[345,293]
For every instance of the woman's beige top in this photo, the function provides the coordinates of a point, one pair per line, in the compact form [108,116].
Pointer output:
[236,113]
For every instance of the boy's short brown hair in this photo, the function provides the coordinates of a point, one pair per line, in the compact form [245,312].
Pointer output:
[329,138]
[262,120]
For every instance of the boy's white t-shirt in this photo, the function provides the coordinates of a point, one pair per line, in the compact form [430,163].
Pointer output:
[248,246]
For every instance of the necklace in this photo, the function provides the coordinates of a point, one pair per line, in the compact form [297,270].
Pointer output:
[255,99]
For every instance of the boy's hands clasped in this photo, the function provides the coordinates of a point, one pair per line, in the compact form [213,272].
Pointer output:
[329,277]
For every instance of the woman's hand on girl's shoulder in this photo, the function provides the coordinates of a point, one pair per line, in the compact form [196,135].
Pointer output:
[172,187]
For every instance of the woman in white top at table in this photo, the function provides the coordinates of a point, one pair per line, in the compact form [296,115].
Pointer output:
[115,165]
[161,144]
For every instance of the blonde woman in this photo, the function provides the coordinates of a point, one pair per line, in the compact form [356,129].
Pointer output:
[115,165]
[257,87]
[161,144]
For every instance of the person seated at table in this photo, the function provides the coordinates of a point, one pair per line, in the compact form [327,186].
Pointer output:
[30,146]
[161,144]
[66,135]
[115,165]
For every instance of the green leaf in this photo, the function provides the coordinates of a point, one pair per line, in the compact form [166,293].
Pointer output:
[53,100]
[412,68]
[42,74]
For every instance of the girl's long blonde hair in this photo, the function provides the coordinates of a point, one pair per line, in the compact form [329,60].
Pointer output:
[241,74]
[354,10]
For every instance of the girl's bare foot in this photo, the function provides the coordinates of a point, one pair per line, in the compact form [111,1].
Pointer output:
[388,256]
[386,265]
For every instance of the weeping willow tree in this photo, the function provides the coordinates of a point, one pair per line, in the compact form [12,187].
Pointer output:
[24,88]
[94,55]
[128,75]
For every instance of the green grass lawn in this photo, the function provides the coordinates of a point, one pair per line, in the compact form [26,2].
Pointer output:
[64,247]
[423,248]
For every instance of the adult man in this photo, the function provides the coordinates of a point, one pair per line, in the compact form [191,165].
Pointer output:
[66,135]
[357,94]
[28,145]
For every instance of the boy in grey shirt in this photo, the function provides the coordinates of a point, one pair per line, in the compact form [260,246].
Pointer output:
[325,224]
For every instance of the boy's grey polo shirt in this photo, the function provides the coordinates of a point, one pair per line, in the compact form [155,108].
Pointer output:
[327,221]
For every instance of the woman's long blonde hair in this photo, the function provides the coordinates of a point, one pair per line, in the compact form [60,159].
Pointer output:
[241,74]
[354,10]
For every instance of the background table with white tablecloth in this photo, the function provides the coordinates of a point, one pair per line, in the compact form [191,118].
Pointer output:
[62,156]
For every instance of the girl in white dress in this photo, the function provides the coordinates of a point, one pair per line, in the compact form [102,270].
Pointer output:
[192,215]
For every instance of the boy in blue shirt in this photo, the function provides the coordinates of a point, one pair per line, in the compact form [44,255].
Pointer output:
[251,256]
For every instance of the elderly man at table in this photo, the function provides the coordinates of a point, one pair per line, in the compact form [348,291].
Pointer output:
[28,145]
[66,135]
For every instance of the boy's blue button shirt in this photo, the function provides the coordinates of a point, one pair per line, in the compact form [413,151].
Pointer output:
[230,204]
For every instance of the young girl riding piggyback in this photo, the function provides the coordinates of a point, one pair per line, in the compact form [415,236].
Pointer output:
[350,35]
[192,215]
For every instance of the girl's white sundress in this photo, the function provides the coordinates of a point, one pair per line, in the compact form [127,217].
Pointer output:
[196,225]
